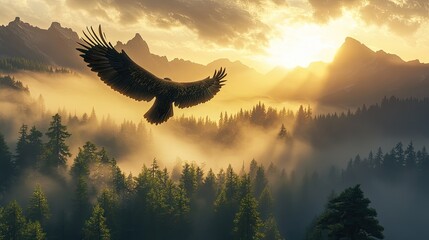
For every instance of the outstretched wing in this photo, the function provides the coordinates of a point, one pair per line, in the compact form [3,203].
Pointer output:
[118,70]
[193,93]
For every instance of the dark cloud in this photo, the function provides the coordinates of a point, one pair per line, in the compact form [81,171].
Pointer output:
[324,10]
[222,21]
[401,17]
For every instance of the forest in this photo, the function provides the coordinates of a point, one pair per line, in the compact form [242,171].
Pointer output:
[93,196]
[63,177]
[15,64]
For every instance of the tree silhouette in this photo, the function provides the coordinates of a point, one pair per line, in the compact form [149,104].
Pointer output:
[57,150]
[13,222]
[34,231]
[35,146]
[95,226]
[271,231]
[21,157]
[6,165]
[247,224]
[38,208]
[349,216]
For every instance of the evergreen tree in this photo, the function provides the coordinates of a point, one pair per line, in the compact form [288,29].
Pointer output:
[7,168]
[209,189]
[22,154]
[265,205]
[259,182]
[424,161]
[410,161]
[95,227]
[109,202]
[378,159]
[34,231]
[399,155]
[81,207]
[349,216]
[188,179]
[38,208]
[12,222]
[87,155]
[247,224]
[253,168]
[227,205]
[283,133]
[57,150]
[271,231]
[35,146]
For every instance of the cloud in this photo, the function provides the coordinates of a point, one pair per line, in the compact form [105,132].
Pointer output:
[324,10]
[400,16]
[223,22]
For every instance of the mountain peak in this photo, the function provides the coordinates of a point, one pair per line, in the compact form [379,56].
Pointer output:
[18,22]
[353,51]
[138,37]
[137,42]
[55,25]
[63,32]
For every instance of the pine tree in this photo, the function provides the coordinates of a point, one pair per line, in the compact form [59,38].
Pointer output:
[35,146]
[81,207]
[109,202]
[265,204]
[349,216]
[410,161]
[209,189]
[252,169]
[13,222]
[22,154]
[188,179]
[38,208]
[57,150]
[7,167]
[378,159]
[87,155]
[399,155]
[34,231]
[227,205]
[247,224]
[271,231]
[95,227]
[283,133]
[259,182]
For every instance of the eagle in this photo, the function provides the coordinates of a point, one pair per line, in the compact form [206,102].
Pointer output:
[123,75]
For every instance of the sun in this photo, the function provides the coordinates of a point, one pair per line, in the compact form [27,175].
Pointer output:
[303,43]
[299,46]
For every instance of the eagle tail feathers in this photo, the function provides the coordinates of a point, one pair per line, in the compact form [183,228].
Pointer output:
[160,111]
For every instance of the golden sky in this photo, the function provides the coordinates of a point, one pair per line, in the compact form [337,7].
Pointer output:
[260,33]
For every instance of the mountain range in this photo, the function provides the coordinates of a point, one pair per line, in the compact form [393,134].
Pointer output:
[357,74]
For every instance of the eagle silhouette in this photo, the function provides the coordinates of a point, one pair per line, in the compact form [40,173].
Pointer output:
[122,74]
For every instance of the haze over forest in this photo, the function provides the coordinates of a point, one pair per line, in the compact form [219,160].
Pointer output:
[281,142]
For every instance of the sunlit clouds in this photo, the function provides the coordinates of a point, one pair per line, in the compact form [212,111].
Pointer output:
[260,33]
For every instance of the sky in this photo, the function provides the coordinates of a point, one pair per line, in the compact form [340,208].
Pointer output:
[260,33]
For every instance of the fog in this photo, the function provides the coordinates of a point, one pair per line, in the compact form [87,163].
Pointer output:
[228,130]
[78,93]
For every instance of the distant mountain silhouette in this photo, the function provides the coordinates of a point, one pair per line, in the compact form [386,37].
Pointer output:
[54,45]
[357,75]
[185,70]
[57,46]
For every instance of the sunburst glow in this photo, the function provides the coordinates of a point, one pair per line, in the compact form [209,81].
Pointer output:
[299,45]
